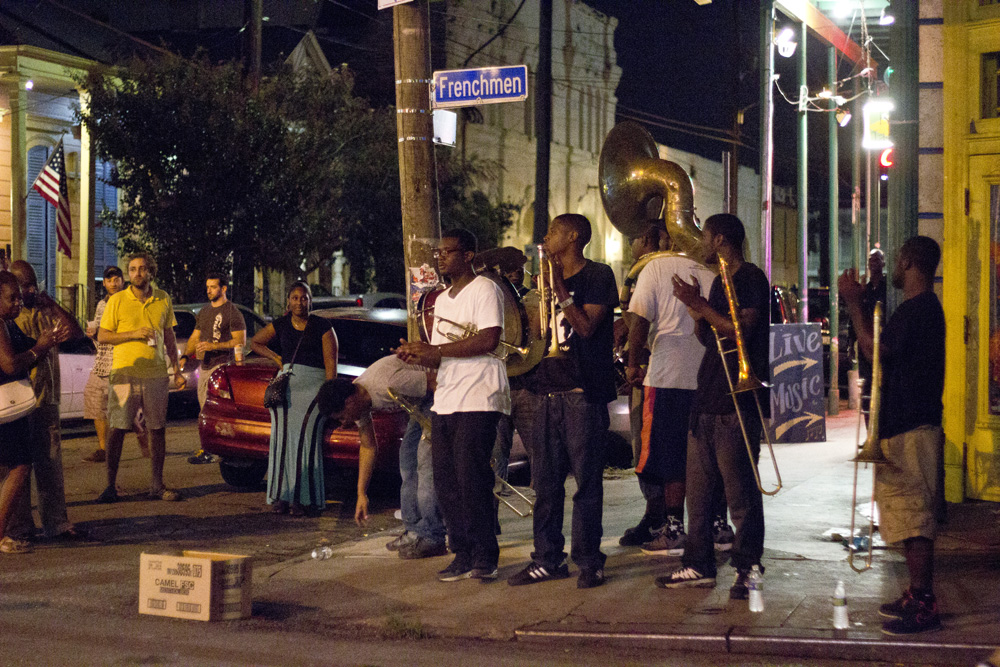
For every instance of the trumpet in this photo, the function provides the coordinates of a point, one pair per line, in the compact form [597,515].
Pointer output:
[425,426]
[469,330]
[547,304]
[746,380]
[870,451]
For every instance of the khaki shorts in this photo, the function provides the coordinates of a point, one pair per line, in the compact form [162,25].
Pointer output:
[95,402]
[906,488]
[130,396]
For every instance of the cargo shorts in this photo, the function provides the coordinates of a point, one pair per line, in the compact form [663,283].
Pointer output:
[906,487]
[128,395]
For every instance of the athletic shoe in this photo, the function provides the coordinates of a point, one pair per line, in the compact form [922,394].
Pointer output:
[458,570]
[722,534]
[590,578]
[918,616]
[406,539]
[97,456]
[739,590]
[686,577]
[485,574]
[896,608]
[536,573]
[669,540]
[422,548]
[9,545]
[640,534]
[109,495]
[200,457]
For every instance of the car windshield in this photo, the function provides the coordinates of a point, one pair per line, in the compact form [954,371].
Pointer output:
[364,342]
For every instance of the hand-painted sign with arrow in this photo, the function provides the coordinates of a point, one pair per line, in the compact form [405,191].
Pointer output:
[798,404]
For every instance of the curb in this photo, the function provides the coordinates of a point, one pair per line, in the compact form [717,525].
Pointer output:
[740,640]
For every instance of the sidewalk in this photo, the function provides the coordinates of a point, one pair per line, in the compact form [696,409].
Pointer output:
[366,586]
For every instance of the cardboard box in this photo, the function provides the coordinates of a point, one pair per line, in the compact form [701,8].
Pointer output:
[199,585]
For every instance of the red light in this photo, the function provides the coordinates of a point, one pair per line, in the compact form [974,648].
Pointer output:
[885,159]
[359,302]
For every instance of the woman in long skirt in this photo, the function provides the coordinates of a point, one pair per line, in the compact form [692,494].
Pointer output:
[307,347]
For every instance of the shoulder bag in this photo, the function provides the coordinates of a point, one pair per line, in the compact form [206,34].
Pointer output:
[275,396]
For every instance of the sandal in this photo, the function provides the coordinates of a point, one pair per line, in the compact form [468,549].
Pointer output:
[9,545]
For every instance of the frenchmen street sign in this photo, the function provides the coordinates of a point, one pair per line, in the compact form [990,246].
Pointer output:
[486,85]
[798,406]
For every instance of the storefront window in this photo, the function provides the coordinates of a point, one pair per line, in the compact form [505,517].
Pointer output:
[995,300]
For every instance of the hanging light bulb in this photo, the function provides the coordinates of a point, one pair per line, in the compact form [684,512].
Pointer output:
[886,19]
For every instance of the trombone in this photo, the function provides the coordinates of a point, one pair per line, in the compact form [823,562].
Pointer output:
[870,451]
[549,323]
[425,426]
[746,380]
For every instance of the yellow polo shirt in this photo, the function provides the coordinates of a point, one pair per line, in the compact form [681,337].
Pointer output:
[125,312]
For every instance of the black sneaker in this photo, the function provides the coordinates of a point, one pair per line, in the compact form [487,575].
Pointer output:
[896,608]
[640,534]
[918,616]
[458,570]
[536,573]
[404,540]
[109,495]
[485,574]
[686,577]
[722,534]
[739,590]
[590,578]
[422,548]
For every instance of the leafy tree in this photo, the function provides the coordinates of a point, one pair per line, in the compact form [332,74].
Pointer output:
[281,177]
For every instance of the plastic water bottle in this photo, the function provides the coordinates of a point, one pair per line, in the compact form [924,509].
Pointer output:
[755,584]
[840,618]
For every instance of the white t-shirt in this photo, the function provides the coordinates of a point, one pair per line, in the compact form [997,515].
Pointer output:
[675,351]
[470,384]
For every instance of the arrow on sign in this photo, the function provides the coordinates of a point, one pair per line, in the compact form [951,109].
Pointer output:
[781,430]
[805,363]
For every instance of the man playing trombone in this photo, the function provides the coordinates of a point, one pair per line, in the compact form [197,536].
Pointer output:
[717,454]
[911,353]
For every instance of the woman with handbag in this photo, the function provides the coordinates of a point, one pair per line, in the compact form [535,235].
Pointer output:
[18,353]
[305,349]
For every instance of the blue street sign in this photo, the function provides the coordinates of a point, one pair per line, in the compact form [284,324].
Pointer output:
[487,85]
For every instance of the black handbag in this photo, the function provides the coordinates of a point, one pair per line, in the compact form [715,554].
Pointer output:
[277,389]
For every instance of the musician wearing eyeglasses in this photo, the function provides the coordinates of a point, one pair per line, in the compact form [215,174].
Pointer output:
[911,354]
[472,392]
[717,454]
[573,385]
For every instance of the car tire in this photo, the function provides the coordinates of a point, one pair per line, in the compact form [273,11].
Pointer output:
[243,473]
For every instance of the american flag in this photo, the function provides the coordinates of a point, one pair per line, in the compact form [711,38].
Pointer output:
[51,185]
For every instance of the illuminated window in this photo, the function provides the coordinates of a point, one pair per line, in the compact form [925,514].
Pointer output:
[990,87]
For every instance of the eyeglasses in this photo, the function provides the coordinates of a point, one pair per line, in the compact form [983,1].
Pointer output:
[445,252]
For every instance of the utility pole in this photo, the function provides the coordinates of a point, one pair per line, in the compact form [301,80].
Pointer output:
[833,406]
[253,16]
[543,119]
[803,181]
[415,132]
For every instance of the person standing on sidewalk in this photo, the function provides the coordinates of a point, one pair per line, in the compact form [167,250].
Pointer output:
[95,393]
[424,532]
[661,321]
[911,352]
[219,329]
[139,322]
[717,454]
[571,425]
[472,392]
[40,313]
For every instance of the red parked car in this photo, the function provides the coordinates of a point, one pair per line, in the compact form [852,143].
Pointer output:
[235,425]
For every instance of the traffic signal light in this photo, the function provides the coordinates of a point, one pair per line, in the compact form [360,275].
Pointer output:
[885,161]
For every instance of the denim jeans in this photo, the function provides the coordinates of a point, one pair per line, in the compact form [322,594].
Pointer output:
[717,456]
[523,405]
[46,445]
[570,437]
[416,494]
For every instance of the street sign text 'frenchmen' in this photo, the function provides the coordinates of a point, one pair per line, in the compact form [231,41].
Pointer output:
[465,87]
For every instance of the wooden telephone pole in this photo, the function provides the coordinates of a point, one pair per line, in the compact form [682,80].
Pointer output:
[415,131]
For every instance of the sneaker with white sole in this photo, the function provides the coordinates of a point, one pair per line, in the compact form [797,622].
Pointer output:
[404,540]
[535,573]
[722,534]
[458,570]
[686,577]
[669,540]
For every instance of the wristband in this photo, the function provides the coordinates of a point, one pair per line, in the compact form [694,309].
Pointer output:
[34,355]
[566,303]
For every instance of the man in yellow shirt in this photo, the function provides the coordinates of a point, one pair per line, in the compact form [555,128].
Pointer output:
[139,322]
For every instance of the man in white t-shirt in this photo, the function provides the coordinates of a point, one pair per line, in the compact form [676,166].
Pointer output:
[472,392]
[424,534]
[662,323]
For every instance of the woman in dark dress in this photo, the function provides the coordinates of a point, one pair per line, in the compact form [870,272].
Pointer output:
[18,353]
[307,345]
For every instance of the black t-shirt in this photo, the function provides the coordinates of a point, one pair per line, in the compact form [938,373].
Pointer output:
[216,324]
[310,352]
[912,358]
[713,395]
[588,363]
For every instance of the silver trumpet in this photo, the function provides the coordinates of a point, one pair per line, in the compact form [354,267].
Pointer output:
[425,425]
